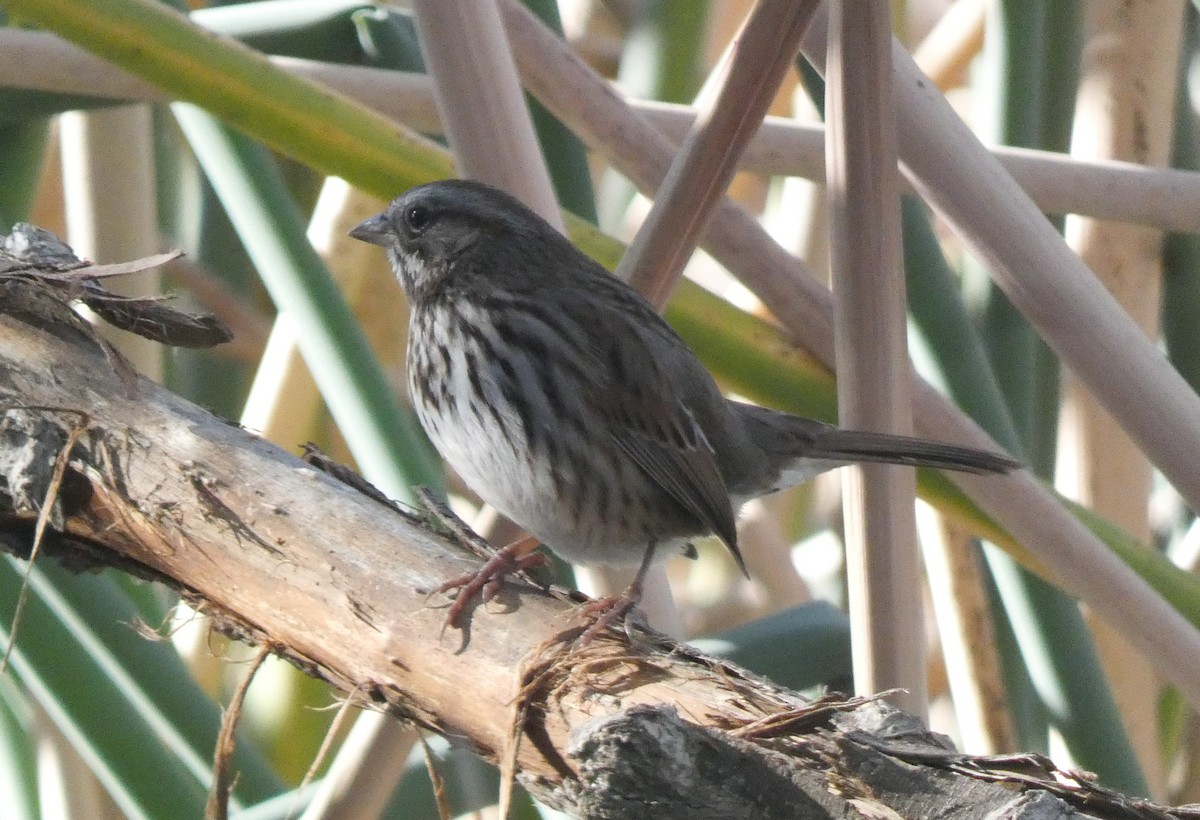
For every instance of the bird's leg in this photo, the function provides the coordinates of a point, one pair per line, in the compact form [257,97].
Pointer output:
[487,580]
[608,609]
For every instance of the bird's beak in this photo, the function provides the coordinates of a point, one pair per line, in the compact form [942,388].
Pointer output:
[373,230]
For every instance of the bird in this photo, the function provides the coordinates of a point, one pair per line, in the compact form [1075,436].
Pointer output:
[562,398]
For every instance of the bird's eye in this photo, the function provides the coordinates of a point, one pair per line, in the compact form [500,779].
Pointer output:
[417,218]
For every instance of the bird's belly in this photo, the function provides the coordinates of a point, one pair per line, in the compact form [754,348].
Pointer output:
[585,502]
[496,467]
[539,496]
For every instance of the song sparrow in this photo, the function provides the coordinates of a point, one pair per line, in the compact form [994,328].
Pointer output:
[563,399]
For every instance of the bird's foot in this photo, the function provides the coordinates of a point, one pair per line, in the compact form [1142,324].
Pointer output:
[487,581]
[603,612]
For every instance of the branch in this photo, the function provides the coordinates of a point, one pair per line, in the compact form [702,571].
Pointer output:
[280,553]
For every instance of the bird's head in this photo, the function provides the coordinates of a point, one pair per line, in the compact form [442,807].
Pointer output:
[429,230]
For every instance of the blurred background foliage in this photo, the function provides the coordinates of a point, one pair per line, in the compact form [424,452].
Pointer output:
[97,721]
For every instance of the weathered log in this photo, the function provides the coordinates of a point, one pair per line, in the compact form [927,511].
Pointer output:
[280,553]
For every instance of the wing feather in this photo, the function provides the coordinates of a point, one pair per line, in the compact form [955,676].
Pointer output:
[670,448]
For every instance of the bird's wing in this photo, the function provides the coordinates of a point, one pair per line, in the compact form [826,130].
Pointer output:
[674,453]
[671,449]
[651,425]
[642,377]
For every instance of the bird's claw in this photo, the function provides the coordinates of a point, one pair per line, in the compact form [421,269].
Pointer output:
[603,612]
[487,581]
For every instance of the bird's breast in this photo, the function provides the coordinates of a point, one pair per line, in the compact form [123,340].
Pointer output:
[547,462]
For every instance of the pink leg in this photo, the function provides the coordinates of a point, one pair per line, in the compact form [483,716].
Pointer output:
[608,609]
[488,579]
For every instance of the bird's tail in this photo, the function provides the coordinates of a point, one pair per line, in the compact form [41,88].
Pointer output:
[858,445]
[803,447]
